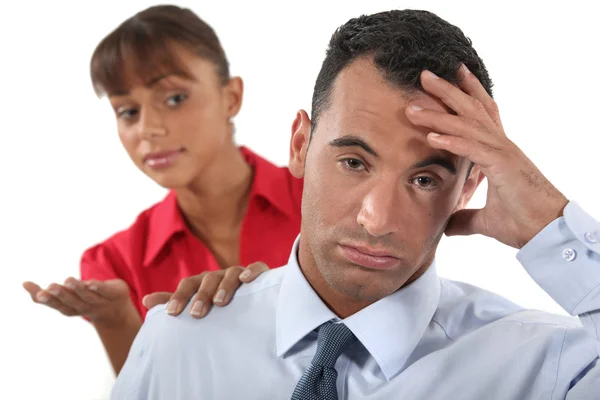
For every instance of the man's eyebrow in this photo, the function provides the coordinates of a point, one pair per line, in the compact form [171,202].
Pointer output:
[353,141]
[437,160]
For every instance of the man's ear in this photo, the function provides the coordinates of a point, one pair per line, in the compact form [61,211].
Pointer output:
[473,181]
[299,143]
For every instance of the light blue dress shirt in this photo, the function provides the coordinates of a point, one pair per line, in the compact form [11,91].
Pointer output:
[434,339]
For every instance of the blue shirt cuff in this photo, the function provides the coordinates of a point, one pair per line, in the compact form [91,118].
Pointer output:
[564,259]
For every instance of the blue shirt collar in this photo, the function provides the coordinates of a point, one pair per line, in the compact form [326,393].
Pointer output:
[389,329]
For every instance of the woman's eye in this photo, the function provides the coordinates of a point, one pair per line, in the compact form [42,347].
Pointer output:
[128,113]
[176,99]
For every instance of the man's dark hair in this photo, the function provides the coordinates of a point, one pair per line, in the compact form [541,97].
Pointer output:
[402,43]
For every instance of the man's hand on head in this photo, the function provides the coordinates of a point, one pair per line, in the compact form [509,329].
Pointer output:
[520,200]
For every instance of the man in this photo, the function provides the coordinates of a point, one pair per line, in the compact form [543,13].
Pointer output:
[403,130]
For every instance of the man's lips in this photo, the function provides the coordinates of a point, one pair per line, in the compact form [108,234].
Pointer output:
[369,257]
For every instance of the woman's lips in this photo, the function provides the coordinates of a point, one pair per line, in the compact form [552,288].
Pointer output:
[163,159]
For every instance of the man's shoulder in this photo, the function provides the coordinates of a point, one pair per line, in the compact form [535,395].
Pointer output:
[270,279]
[559,336]
[543,318]
[253,306]
[465,308]
[167,348]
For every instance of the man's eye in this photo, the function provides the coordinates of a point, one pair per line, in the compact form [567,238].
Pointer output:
[425,182]
[353,164]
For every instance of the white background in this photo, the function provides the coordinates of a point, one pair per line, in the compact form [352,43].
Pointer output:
[67,183]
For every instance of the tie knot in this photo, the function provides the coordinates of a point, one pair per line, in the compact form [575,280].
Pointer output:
[333,340]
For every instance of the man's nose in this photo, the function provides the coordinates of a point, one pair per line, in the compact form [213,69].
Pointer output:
[379,213]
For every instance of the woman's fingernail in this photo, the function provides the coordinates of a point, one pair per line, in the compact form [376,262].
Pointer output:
[415,107]
[93,287]
[70,285]
[431,74]
[53,291]
[220,296]
[197,308]
[434,135]
[246,274]
[465,69]
[172,307]
[43,298]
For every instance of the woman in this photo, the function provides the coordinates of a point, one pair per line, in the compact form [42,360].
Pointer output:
[167,79]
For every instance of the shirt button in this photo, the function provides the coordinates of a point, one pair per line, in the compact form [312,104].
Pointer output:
[569,254]
[591,237]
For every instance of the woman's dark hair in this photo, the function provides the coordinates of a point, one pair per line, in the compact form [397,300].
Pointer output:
[142,45]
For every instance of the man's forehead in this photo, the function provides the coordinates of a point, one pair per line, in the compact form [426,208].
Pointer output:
[362,87]
[361,82]
[366,106]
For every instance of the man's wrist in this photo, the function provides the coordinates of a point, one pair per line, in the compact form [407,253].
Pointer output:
[554,212]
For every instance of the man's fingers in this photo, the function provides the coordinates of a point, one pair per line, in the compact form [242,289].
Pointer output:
[471,85]
[153,299]
[478,153]
[252,271]
[449,124]
[455,98]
